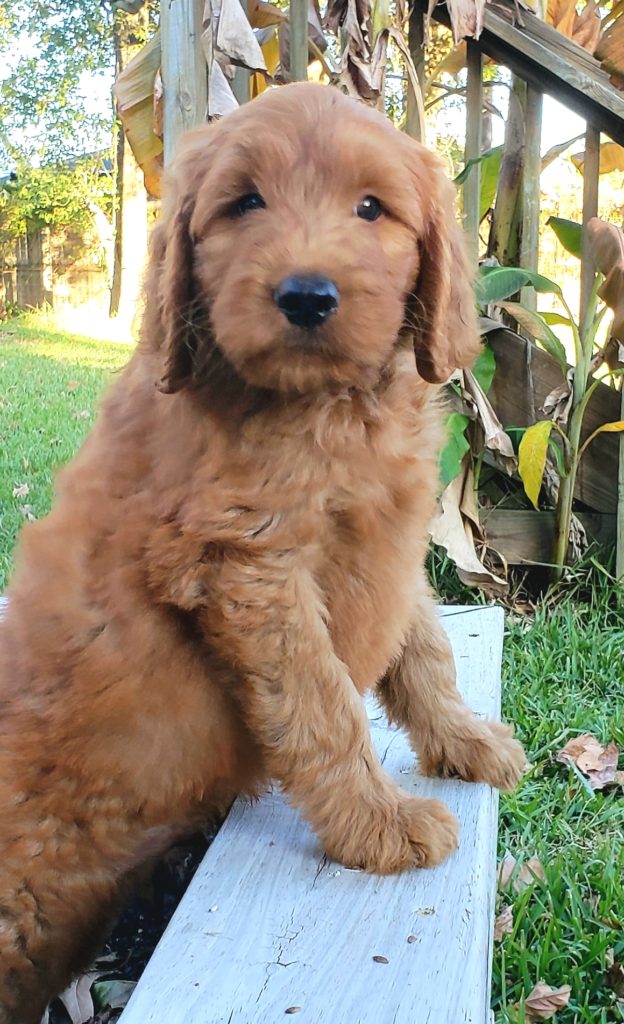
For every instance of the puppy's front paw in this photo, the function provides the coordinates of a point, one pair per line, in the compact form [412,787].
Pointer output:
[485,752]
[420,834]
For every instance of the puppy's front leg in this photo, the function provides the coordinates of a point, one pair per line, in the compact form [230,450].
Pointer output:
[305,712]
[419,694]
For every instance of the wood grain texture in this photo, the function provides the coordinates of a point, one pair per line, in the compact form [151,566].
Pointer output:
[525,375]
[269,923]
[549,61]
[183,70]
[525,537]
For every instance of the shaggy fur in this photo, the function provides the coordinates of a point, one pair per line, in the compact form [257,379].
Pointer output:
[235,555]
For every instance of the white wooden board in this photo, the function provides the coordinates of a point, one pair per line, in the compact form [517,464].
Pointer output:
[269,924]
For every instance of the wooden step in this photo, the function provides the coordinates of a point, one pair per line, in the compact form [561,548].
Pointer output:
[269,927]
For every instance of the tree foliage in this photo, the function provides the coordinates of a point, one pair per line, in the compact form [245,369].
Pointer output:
[50,51]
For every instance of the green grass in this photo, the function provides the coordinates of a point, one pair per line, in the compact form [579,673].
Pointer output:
[563,674]
[49,386]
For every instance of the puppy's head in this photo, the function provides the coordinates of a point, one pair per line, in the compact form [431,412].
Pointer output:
[302,237]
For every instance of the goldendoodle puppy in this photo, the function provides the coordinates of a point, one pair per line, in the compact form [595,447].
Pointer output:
[236,554]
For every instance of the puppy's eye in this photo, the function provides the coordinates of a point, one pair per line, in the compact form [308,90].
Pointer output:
[369,209]
[252,201]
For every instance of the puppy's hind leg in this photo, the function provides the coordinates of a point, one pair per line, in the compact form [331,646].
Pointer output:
[62,876]
[419,693]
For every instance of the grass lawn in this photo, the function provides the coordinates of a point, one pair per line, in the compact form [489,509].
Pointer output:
[49,386]
[563,675]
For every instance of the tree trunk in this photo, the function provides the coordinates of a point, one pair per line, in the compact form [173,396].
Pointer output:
[130,247]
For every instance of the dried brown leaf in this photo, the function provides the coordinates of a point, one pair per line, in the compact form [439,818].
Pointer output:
[21,491]
[77,998]
[495,437]
[614,979]
[453,530]
[561,14]
[519,874]
[598,763]
[587,27]
[381,959]
[503,925]
[606,242]
[466,18]
[544,1001]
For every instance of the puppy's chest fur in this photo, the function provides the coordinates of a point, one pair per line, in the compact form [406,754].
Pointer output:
[349,499]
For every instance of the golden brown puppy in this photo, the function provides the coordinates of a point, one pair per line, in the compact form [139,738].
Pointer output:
[236,554]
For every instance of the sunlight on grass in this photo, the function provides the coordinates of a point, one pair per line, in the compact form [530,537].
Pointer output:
[51,383]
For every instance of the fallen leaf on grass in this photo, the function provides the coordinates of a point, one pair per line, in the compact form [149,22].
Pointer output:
[83,414]
[72,385]
[544,1001]
[614,979]
[27,512]
[520,876]
[503,924]
[598,763]
[21,491]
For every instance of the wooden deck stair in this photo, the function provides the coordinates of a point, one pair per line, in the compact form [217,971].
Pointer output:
[270,927]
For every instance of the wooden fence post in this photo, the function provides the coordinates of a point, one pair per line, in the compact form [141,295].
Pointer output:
[184,72]
[298,40]
[472,184]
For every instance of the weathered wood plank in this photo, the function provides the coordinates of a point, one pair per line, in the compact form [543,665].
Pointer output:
[520,381]
[524,537]
[183,69]
[529,243]
[540,55]
[269,923]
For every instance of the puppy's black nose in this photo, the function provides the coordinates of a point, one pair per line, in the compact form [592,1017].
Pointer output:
[307,300]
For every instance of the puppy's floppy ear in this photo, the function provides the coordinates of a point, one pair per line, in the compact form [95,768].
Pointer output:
[176,296]
[175,314]
[441,308]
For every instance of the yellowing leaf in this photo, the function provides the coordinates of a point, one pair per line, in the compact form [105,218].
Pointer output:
[532,457]
[611,158]
[605,428]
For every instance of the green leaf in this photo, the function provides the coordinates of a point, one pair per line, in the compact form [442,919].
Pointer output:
[456,446]
[569,233]
[556,318]
[557,454]
[484,367]
[497,283]
[532,457]
[490,163]
[534,324]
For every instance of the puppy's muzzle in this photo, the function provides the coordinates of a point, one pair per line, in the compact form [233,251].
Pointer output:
[307,300]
